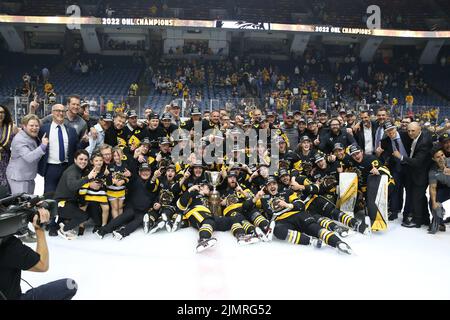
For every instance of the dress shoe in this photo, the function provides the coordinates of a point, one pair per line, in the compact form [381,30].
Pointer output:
[52,232]
[411,224]
[393,216]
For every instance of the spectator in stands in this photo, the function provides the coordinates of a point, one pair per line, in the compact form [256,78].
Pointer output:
[109,106]
[25,156]
[45,74]
[409,100]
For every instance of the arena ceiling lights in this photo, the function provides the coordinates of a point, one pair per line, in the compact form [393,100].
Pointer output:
[219,24]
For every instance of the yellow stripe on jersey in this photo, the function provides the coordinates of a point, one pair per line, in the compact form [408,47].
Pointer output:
[286,215]
[231,208]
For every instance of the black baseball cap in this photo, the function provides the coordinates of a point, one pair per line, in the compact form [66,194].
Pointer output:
[144,166]
[305,138]
[318,157]
[164,140]
[132,113]
[338,145]
[271,179]
[107,117]
[195,111]
[389,125]
[153,116]
[310,120]
[166,116]
[444,137]
[146,140]
[283,172]
[354,148]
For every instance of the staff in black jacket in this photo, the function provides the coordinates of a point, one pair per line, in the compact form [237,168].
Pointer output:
[365,133]
[141,197]
[396,141]
[417,165]
[335,135]
[66,195]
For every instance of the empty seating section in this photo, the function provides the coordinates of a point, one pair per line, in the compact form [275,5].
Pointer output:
[113,82]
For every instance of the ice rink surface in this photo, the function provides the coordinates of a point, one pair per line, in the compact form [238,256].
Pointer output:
[398,264]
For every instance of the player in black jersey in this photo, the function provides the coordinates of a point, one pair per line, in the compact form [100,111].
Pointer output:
[168,193]
[290,221]
[233,197]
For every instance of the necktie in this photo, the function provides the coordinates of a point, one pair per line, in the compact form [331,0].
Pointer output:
[397,145]
[62,154]
[379,136]
[412,148]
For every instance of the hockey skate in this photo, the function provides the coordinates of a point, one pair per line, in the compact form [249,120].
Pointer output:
[261,235]
[100,233]
[341,231]
[315,242]
[247,239]
[361,227]
[118,235]
[176,223]
[270,229]
[204,244]
[344,248]
[169,226]
[147,223]
[158,226]
[68,235]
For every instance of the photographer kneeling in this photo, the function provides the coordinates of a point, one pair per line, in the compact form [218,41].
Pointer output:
[15,257]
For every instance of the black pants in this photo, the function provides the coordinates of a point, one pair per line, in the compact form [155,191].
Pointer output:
[63,289]
[73,215]
[52,176]
[304,222]
[396,198]
[130,218]
[419,207]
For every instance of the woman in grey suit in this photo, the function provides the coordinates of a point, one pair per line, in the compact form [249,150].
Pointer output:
[25,156]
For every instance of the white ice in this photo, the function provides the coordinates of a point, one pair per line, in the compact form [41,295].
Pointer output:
[398,264]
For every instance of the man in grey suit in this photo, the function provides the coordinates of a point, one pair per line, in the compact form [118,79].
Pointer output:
[25,156]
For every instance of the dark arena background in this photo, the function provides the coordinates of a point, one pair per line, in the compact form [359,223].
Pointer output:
[347,202]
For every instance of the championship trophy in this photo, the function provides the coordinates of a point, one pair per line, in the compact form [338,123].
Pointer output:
[214,178]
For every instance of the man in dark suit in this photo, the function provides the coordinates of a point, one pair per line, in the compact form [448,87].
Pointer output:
[417,163]
[63,142]
[365,134]
[396,141]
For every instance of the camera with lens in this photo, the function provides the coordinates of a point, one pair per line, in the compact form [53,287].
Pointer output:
[16,211]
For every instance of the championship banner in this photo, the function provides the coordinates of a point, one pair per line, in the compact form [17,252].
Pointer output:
[377,201]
